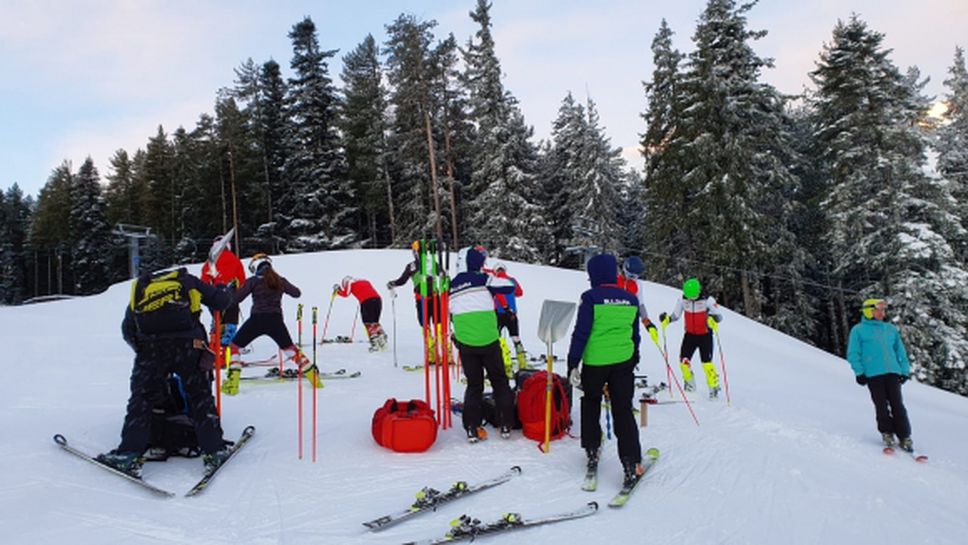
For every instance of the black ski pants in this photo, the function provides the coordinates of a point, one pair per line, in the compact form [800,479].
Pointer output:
[154,362]
[263,323]
[371,309]
[888,405]
[691,341]
[475,360]
[620,379]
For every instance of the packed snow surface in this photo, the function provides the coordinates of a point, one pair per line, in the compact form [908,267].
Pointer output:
[794,459]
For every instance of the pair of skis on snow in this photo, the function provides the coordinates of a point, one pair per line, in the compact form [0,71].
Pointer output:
[468,528]
[292,374]
[890,450]
[200,486]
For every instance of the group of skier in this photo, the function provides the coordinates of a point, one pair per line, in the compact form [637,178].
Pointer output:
[162,324]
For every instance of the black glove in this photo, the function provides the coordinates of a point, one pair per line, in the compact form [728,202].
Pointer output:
[662,317]
[861,379]
[904,378]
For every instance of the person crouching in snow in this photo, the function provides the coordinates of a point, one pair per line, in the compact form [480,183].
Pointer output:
[476,337]
[266,287]
[371,305]
[701,317]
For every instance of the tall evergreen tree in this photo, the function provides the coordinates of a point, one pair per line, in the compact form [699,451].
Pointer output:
[92,247]
[121,199]
[505,166]
[271,136]
[364,126]
[953,147]
[162,188]
[665,195]
[886,218]
[732,146]
[50,228]
[408,51]
[321,203]
[15,213]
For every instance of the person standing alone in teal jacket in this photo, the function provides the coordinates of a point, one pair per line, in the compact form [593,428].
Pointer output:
[876,353]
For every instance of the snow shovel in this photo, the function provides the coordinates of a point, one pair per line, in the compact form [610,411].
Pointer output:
[552,326]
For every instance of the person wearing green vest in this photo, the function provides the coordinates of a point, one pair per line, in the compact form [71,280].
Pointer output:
[606,340]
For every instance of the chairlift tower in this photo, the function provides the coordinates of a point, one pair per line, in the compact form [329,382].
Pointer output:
[134,234]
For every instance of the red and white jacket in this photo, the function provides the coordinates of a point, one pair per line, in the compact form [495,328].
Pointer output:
[695,314]
[361,289]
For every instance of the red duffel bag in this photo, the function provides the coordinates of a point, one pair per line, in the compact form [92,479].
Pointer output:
[405,426]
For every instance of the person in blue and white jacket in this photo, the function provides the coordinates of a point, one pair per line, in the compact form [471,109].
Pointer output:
[476,337]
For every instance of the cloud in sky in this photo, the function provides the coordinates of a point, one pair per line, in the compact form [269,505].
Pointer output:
[88,77]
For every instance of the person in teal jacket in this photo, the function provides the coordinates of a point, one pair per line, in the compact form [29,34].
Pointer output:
[606,341]
[876,353]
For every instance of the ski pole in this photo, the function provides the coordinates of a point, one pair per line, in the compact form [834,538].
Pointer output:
[315,394]
[353,329]
[393,305]
[665,355]
[679,386]
[217,349]
[299,323]
[328,312]
[722,363]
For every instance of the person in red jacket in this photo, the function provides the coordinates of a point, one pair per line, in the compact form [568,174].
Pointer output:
[506,306]
[228,270]
[371,305]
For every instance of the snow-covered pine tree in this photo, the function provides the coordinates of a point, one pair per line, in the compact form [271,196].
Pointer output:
[559,169]
[321,201]
[15,213]
[363,124]
[271,139]
[733,143]
[90,241]
[121,201]
[952,146]
[502,217]
[159,199]
[885,215]
[50,229]
[665,195]
[409,73]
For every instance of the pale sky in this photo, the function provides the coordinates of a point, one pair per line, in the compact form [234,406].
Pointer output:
[87,77]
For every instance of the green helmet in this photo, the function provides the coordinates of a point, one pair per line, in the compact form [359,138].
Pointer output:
[691,288]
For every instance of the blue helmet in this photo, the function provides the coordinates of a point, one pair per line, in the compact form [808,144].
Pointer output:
[633,267]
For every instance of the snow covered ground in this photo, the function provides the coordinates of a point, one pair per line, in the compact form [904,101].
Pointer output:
[795,459]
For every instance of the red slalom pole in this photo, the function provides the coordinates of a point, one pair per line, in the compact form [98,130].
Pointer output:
[315,394]
[722,363]
[679,386]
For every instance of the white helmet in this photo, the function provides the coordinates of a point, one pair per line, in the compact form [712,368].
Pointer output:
[345,284]
[500,266]
[258,261]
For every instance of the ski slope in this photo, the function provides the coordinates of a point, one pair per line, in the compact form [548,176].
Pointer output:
[794,460]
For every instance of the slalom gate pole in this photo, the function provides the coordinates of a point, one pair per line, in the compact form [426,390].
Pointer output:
[315,394]
[217,349]
[328,312]
[393,305]
[665,355]
[675,379]
[353,329]
[445,350]
[299,324]
[722,363]
[425,325]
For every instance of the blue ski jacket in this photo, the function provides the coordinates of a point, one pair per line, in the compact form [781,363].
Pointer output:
[875,348]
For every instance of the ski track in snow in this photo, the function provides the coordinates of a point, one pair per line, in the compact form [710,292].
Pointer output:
[796,459]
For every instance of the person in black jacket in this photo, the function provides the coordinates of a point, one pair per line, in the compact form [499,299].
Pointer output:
[161,323]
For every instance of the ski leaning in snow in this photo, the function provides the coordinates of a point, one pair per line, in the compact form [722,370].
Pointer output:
[651,457]
[292,374]
[467,528]
[62,442]
[428,499]
[217,249]
[207,478]
[920,458]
